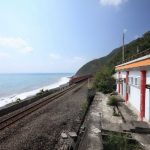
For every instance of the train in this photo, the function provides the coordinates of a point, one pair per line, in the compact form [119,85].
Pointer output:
[77,79]
[74,80]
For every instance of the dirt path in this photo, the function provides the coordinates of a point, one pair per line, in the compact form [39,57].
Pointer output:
[41,130]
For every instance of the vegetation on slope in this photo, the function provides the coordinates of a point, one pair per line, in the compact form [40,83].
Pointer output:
[112,59]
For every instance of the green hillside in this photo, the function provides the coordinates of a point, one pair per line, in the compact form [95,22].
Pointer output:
[112,59]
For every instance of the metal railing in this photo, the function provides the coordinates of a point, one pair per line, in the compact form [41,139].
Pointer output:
[138,55]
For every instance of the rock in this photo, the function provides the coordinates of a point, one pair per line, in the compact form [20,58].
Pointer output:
[64,135]
[96,130]
[114,93]
[72,134]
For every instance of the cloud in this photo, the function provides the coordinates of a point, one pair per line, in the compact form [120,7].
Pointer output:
[4,55]
[77,59]
[15,43]
[114,3]
[75,62]
[125,30]
[64,63]
[54,56]
[27,49]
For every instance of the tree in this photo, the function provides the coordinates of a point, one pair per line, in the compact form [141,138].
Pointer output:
[105,82]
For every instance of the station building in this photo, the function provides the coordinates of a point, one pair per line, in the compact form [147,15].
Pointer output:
[133,83]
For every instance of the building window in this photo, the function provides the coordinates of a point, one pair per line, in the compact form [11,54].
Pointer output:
[124,80]
[129,80]
[132,80]
[136,81]
[129,89]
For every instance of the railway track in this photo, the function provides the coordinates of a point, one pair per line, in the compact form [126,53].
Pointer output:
[18,116]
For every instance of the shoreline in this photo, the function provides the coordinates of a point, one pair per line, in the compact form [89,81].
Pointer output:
[5,101]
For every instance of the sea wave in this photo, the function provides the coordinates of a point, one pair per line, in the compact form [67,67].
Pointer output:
[13,98]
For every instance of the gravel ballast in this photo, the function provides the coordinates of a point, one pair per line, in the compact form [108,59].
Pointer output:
[42,129]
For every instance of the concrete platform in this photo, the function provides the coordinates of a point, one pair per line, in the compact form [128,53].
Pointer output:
[112,123]
[100,117]
[92,139]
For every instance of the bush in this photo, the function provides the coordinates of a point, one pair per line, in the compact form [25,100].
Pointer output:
[104,82]
[18,100]
[41,92]
[112,101]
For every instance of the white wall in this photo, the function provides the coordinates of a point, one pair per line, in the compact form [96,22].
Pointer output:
[134,96]
[117,77]
[123,85]
[134,73]
[123,74]
[124,90]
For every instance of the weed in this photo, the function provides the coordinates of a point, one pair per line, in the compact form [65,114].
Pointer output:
[112,101]
[116,114]
[84,106]
[119,142]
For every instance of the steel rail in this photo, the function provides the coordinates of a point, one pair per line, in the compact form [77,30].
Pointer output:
[16,117]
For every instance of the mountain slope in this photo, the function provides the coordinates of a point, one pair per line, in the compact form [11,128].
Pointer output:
[91,67]
[112,59]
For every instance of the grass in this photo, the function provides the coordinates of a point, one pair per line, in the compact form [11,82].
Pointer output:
[116,114]
[120,142]
[84,106]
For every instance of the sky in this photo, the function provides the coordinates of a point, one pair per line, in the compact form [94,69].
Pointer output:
[46,36]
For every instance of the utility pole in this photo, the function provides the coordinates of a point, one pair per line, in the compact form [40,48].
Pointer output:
[123,47]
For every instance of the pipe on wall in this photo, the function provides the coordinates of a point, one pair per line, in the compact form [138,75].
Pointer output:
[118,82]
[127,86]
[142,94]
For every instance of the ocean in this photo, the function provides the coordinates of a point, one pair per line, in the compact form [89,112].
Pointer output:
[14,86]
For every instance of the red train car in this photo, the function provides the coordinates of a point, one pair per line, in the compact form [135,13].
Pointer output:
[77,79]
